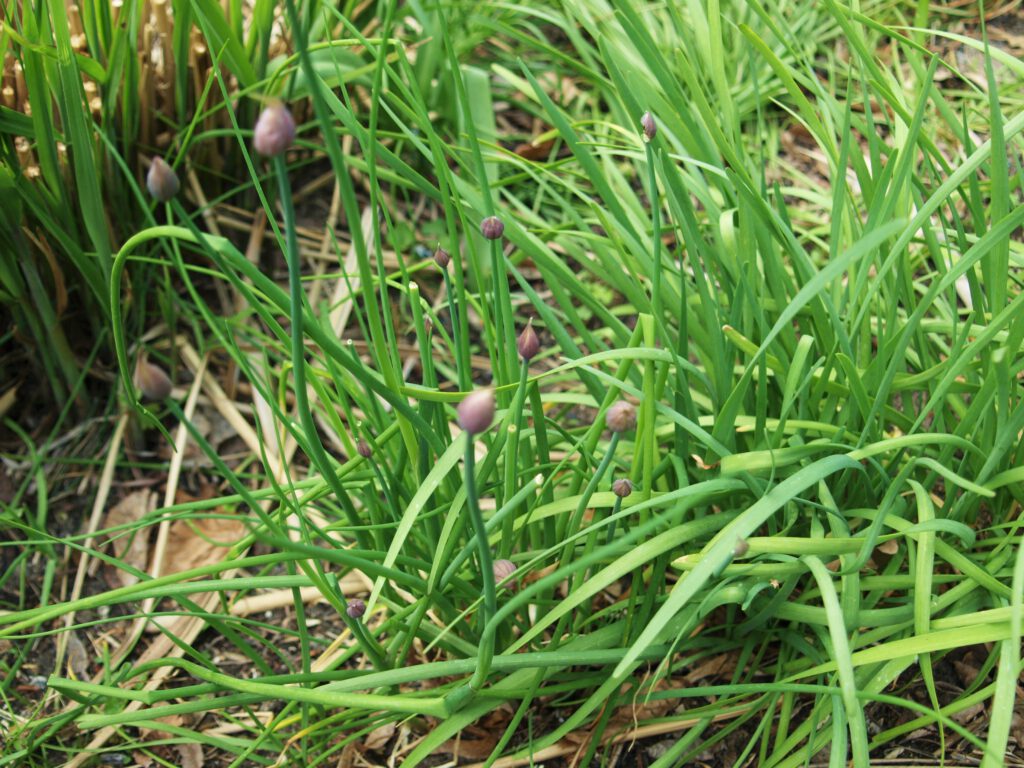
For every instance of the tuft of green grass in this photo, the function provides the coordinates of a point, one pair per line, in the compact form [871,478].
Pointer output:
[805,282]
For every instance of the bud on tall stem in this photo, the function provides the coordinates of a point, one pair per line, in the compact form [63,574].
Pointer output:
[528,345]
[492,227]
[476,412]
[274,131]
[650,127]
[151,380]
[162,181]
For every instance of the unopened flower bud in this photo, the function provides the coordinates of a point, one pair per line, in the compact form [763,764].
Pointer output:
[650,127]
[476,412]
[355,608]
[363,449]
[621,417]
[503,569]
[442,258]
[622,487]
[492,227]
[740,548]
[162,181]
[528,344]
[151,380]
[428,326]
[275,130]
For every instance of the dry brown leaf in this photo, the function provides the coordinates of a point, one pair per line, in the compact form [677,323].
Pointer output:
[966,672]
[890,547]
[348,756]
[379,737]
[130,547]
[191,755]
[472,749]
[719,666]
[964,716]
[153,732]
[1017,730]
[194,543]
[535,150]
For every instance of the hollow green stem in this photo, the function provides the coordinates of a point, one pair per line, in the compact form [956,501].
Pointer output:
[502,307]
[359,631]
[656,235]
[313,444]
[486,571]
[458,337]
[588,492]
[614,516]
[512,455]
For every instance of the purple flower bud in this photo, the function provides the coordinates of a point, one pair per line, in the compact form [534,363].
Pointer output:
[151,379]
[650,127]
[503,569]
[622,487]
[528,344]
[355,608]
[428,326]
[442,258]
[363,449]
[476,411]
[162,181]
[621,417]
[492,227]
[275,130]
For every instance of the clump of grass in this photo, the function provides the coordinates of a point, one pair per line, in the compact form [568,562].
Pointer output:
[766,424]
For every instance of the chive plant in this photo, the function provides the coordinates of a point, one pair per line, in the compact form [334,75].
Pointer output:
[773,427]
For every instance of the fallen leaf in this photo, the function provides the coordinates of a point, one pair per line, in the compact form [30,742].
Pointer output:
[153,732]
[964,716]
[130,547]
[890,547]
[379,737]
[534,150]
[966,672]
[348,756]
[716,667]
[191,755]
[470,749]
[197,542]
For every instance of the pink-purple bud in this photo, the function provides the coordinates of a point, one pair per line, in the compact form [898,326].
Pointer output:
[274,131]
[528,344]
[442,258]
[151,380]
[622,487]
[621,417]
[162,181]
[650,127]
[503,569]
[355,608]
[492,227]
[363,449]
[476,411]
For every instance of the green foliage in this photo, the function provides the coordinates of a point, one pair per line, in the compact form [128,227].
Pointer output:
[807,281]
